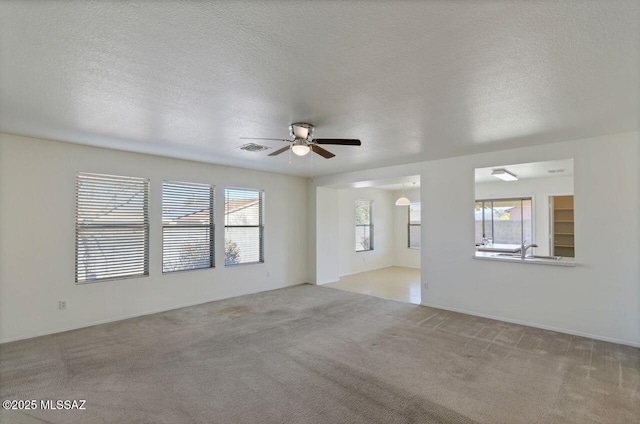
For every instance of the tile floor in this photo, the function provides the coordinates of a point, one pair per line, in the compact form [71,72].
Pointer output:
[395,283]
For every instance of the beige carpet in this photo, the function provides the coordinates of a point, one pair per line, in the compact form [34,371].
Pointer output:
[315,355]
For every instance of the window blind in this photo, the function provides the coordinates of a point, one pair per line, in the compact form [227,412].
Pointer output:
[364,225]
[243,226]
[415,221]
[188,227]
[112,227]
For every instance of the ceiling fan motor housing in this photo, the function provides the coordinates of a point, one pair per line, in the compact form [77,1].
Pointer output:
[301,130]
[303,142]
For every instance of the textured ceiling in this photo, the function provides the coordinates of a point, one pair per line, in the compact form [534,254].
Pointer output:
[413,80]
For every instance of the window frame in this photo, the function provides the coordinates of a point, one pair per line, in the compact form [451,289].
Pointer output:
[508,199]
[114,224]
[370,225]
[409,225]
[211,226]
[260,226]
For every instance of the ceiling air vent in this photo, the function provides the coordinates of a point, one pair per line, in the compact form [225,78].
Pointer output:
[253,147]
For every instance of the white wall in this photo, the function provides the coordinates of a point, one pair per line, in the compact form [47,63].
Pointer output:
[402,255]
[600,297]
[539,189]
[381,256]
[37,218]
[328,236]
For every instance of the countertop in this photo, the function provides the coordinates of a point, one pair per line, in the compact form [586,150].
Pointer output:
[494,256]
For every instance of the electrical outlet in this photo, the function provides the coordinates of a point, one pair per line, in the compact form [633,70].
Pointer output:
[268,274]
[425,285]
[62,305]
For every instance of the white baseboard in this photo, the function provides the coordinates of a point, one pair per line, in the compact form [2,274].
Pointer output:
[128,316]
[326,282]
[407,266]
[536,325]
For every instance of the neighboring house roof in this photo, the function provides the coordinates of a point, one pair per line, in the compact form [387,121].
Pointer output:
[239,209]
[234,209]
[232,206]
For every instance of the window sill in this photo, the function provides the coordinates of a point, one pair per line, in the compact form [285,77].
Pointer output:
[102,280]
[243,263]
[486,256]
[187,270]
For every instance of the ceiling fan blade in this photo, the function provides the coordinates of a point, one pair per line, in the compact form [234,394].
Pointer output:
[322,152]
[277,152]
[338,141]
[257,138]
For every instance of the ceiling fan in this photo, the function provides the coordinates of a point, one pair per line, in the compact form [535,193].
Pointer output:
[302,141]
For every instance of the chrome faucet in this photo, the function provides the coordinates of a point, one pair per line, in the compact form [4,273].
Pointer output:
[524,248]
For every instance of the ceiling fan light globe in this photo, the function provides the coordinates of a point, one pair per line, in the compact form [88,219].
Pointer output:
[300,149]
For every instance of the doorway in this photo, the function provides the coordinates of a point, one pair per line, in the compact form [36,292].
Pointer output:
[372,245]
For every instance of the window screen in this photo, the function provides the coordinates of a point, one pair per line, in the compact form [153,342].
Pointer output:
[364,225]
[112,227]
[415,220]
[243,226]
[187,226]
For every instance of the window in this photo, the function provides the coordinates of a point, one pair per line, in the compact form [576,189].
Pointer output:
[243,226]
[112,227]
[505,221]
[187,226]
[364,225]
[415,219]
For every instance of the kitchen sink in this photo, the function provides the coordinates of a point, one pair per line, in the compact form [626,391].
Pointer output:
[518,256]
[552,258]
